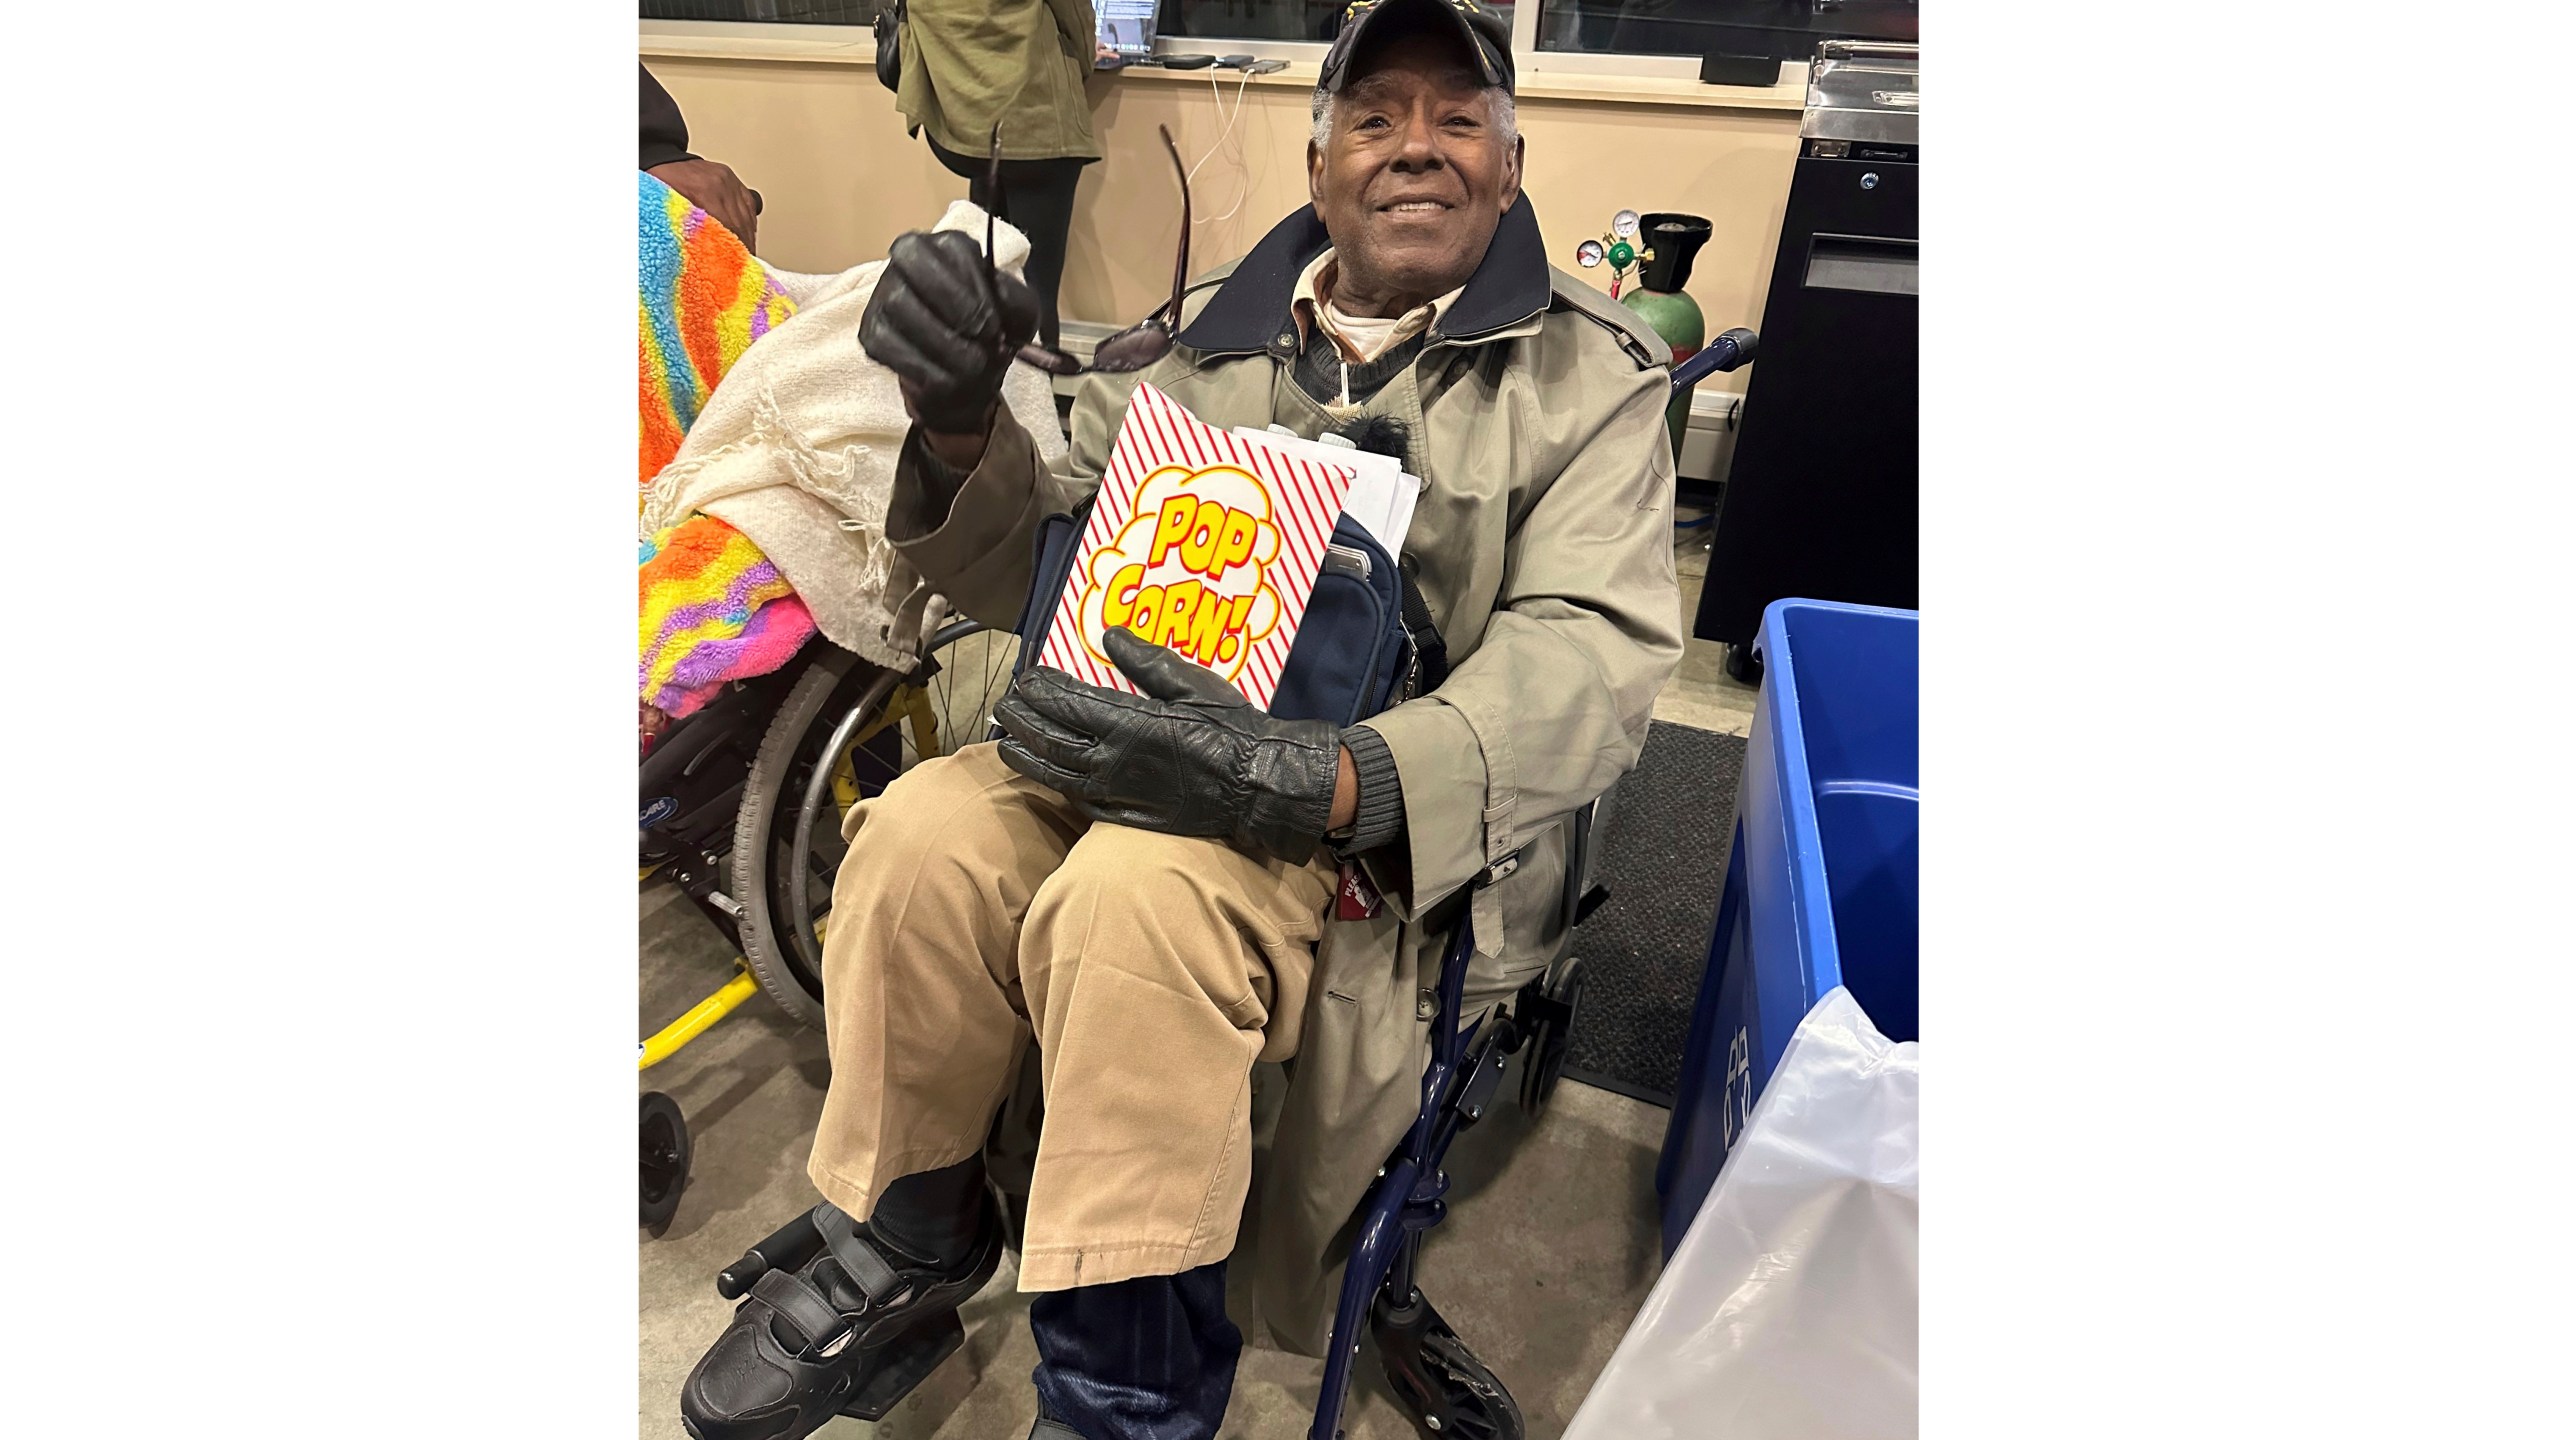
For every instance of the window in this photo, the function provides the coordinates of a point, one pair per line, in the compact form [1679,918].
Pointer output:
[1306,21]
[1547,35]
[784,12]
[1772,29]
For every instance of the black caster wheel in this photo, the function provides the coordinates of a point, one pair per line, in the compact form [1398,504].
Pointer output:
[1550,1034]
[666,1154]
[1439,1384]
[1741,664]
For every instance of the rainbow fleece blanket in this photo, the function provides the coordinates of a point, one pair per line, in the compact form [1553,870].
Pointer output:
[712,608]
[703,301]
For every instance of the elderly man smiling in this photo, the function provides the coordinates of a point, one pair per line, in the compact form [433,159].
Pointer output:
[1160,893]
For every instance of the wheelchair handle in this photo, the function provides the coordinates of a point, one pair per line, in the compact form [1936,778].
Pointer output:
[1729,351]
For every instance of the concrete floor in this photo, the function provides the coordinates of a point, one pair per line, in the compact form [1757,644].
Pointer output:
[1550,1245]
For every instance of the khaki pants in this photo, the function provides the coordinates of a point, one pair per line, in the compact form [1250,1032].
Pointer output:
[975,908]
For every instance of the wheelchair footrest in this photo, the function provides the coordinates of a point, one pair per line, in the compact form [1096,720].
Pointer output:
[905,1366]
[787,1249]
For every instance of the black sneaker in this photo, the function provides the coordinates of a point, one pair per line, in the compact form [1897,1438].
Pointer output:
[836,1335]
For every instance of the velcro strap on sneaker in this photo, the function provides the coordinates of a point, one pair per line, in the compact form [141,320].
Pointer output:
[799,1302]
[861,1263]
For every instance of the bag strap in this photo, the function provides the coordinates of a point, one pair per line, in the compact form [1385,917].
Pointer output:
[1387,435]
[1430,652]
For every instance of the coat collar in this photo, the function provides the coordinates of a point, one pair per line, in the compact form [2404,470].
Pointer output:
[1252,304]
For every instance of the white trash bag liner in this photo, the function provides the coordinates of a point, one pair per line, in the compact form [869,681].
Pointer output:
[1791,1310]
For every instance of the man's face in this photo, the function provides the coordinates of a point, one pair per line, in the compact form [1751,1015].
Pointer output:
[1414,178]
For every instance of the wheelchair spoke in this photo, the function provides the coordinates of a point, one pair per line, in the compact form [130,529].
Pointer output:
[971,677]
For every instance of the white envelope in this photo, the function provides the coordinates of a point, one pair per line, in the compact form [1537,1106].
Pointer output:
[1382,495]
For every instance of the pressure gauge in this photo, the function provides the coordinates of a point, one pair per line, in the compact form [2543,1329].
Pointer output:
[1625,224]
[1589,253]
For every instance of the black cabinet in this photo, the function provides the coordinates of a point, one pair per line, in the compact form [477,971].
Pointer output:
[1822,500]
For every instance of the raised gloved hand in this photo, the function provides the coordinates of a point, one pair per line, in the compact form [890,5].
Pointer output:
[1189,757]
[947,323]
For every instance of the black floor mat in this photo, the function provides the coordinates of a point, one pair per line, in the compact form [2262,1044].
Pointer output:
[1642,954]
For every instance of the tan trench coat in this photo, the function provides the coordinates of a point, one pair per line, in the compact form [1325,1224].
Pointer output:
[1542,541]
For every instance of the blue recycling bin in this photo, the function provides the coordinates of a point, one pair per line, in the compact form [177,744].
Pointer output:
[1823,887]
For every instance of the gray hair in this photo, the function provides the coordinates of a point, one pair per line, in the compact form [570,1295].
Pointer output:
[1506,116]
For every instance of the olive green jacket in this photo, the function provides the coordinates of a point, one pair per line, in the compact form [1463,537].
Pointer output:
[965,64]
[1542,542]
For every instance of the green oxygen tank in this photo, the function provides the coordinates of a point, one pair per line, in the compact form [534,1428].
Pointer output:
[1671,247]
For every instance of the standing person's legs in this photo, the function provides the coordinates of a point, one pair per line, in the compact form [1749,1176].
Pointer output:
[967,167]
[1039,200]
[1156,970]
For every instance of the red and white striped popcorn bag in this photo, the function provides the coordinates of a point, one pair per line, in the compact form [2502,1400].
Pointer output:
[1204,540]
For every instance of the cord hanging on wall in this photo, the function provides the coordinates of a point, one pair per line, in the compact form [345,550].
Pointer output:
[1244,176]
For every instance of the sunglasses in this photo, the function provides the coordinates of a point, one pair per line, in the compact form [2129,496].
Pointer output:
[1135,348]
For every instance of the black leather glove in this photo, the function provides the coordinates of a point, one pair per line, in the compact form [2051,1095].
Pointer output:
[1193,760]
[947,323]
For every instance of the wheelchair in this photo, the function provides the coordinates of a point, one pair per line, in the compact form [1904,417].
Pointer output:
[1436,1381]
[730,803]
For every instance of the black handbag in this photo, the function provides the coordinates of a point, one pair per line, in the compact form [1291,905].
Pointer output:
[884,41]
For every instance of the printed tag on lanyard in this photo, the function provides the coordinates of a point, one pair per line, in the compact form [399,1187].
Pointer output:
[1355,900]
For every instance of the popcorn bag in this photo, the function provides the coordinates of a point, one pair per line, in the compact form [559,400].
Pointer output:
[1204,540]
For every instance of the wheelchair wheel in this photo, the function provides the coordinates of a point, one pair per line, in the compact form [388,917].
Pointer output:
[691,779]
[666,1157]
[762,858]
[1443,1389]
[837,739]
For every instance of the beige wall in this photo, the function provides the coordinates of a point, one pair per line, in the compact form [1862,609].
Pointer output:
[824,144]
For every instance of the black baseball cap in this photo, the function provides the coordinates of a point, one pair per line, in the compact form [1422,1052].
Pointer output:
[1483,34]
